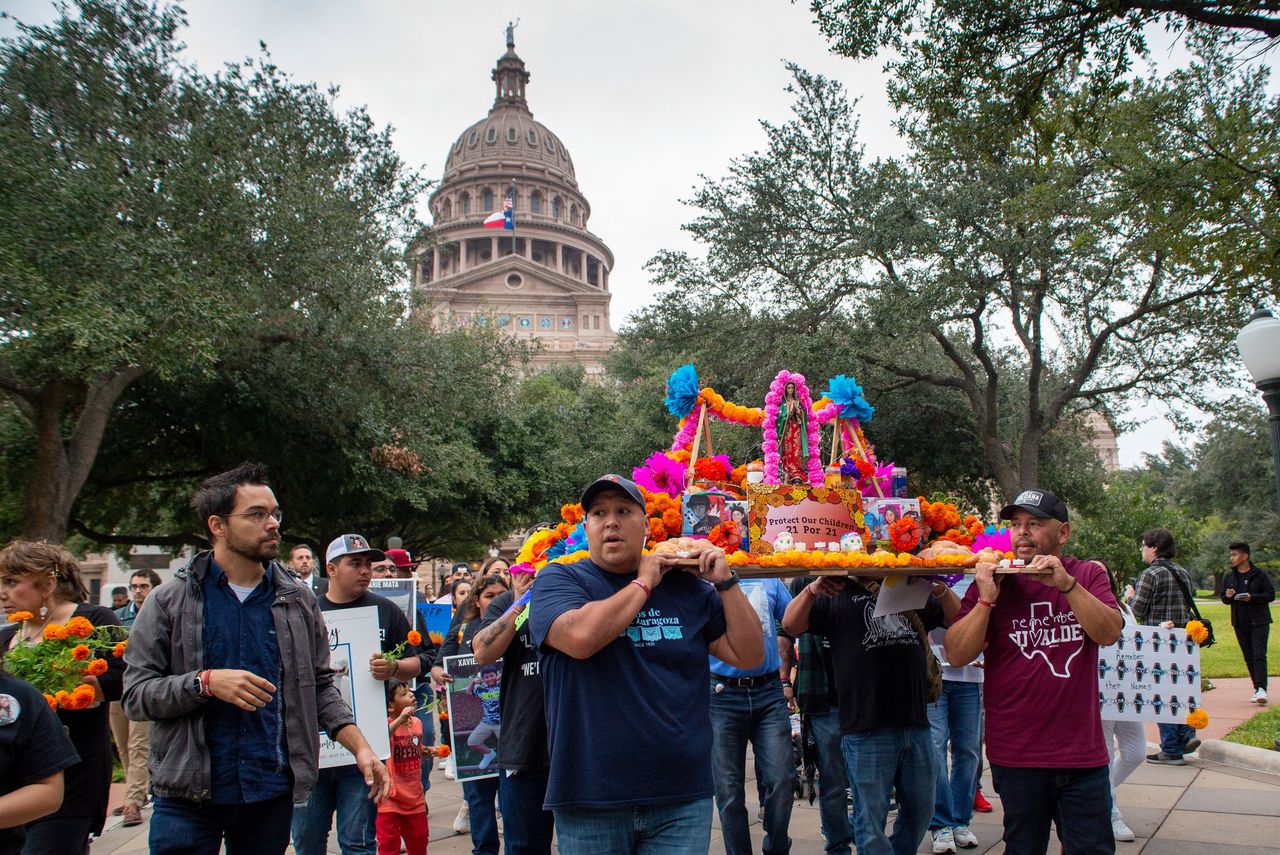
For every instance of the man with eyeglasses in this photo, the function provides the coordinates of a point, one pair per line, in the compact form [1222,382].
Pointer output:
[133,738]
[230,662]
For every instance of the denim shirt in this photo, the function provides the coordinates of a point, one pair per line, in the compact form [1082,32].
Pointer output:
[247,749]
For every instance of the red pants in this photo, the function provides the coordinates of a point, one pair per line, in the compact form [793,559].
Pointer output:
[410,826]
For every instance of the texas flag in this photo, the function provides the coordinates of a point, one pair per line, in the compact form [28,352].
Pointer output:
[504,219]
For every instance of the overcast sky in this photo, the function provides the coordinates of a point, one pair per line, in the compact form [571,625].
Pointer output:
[646,95]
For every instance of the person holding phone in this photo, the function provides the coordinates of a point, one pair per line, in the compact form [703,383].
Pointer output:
[1249,592]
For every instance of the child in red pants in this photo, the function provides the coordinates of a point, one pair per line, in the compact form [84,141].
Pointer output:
[403,813]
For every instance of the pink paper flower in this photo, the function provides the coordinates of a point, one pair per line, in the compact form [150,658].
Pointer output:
[660,474]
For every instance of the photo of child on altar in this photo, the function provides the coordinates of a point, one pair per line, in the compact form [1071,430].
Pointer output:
[879,514]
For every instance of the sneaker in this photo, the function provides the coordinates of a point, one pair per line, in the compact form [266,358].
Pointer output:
[943,841]
[444,764]
[1192,745]
[1119,830]
[964,837]
[1166,759]
[132,816]
[980,803]
[462,822]
[1260,696]
[488,759]
[451,768]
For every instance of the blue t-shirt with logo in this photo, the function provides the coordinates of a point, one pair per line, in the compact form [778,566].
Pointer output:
[630,725]
[769,598]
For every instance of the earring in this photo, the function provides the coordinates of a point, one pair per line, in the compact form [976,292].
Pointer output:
[44,610]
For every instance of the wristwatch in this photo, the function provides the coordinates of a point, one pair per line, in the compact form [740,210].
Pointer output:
[728,583]
[197,686]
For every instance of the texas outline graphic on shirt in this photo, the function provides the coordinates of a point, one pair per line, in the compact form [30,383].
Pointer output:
[1045,631]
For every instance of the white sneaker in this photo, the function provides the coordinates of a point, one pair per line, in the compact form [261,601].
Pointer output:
[444,763]
[1119,830]
[451,768]
[1260,696]
[943,841]
[964,837]
[487,759]
[462,822]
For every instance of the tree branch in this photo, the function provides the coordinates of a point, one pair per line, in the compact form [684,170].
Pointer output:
[139,540]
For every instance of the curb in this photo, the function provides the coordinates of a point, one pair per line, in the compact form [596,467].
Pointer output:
[1244,756]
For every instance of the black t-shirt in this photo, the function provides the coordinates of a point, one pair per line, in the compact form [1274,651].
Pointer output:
[524,718]
[879,662]
[393,626]
[33,746]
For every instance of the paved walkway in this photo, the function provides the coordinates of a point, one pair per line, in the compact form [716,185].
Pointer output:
[1201,807]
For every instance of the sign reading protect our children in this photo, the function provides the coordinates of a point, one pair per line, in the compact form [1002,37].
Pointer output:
[1150,674]
[353,640]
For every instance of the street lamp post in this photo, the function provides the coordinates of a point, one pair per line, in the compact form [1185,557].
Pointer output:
[1259,344]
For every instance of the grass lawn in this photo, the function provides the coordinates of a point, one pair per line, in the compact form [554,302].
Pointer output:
[1224,659]
[1261,730]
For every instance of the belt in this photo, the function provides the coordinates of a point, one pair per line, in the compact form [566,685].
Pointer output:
[744,682]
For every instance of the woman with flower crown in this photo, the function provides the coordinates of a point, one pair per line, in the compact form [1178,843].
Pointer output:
[43,580]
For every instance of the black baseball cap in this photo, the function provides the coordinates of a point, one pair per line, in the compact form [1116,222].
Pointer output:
[1041,503]
[611,482]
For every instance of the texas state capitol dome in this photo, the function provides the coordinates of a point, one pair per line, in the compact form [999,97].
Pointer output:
[555,286]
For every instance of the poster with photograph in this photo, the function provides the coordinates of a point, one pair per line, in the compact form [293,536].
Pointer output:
[879,514]
[353,641]
[474,721]
[1150,674]
[402,592]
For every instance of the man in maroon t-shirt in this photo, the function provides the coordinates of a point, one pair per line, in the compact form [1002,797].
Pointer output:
[1040,632]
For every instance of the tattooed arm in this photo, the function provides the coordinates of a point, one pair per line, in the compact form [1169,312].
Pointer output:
[496,633]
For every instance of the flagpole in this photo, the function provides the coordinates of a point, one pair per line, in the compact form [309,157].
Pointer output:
[513,217]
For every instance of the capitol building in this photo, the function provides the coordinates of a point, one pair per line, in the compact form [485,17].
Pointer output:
[551,283]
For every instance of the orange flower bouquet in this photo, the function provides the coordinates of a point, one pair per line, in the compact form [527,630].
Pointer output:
[58,663]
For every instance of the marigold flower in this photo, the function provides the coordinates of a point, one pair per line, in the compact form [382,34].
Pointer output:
[1198,631]
[443,751]
[571,514]
[1199,719]
[672,520]
[118,650]
[20,616]
[56,632]
[444,716]
[904,534]
[80,627]
[415,637]
[60,697]
[657,530]
[96,668]
[51,701]
[80,652]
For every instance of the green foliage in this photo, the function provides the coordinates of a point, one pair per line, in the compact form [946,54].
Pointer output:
[160,223]
[1134,502]
[51,665]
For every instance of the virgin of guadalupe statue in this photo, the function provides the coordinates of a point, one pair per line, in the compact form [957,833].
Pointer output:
[793,438]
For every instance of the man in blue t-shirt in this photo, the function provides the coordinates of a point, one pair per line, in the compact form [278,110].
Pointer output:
[624,639]
[748,704]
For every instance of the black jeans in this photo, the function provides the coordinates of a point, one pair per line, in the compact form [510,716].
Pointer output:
[1077,801]
[64,835]
[1253,646]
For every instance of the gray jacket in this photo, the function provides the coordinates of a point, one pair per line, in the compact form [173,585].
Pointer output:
[165,655]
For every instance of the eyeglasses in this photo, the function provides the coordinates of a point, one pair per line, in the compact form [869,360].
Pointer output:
[145,587]
[258,516]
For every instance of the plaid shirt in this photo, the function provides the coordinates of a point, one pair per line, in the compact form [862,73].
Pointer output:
[1159,598]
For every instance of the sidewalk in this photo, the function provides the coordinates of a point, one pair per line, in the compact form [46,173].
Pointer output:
[1173,810]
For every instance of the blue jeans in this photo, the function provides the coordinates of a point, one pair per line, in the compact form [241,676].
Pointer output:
[956,718]
[876,761]
[526,826]
[1174,738]
[481,796]
[679,828]
[1077,801]
[340,788]
[185,827]
[837,826]
[759,714]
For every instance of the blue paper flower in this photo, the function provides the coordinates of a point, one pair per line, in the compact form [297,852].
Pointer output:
[682,390]
[846,392]
[576,540]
